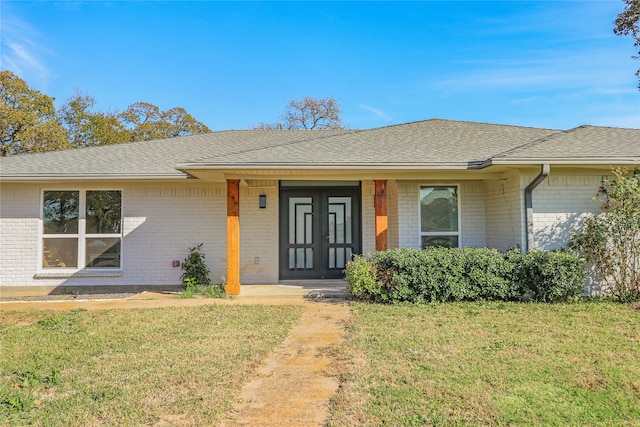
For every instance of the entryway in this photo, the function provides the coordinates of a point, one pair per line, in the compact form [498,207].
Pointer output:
[319,229]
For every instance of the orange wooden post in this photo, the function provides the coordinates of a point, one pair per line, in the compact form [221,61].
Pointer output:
[233,237]
[380,203]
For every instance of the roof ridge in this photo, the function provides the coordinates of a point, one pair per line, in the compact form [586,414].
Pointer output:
[434,119]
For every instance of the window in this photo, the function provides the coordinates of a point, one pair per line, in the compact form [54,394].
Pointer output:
[439,217]
[81,229]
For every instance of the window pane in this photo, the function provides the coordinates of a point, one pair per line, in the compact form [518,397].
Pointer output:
[104,212]
[439,209]
[443,241]
[60,212]
[60,253]
[103,253]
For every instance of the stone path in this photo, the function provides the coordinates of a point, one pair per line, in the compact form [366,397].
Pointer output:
[293,386]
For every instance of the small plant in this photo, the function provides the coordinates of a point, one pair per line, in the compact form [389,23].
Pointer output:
[196,273]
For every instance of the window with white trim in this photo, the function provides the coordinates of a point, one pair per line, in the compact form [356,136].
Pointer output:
[81,229]
[439,216]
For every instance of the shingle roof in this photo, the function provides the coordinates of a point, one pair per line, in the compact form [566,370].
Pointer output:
[582,143]
[429,142]
[426,144]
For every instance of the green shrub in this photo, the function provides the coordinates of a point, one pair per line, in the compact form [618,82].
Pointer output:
[489,275]
[550,276]
[470,274]
[362,280]
[196,273]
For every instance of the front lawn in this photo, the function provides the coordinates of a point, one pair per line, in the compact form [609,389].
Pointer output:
[491,364]
[164,366]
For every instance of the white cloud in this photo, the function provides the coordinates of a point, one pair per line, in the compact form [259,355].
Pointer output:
[22,52]
[377,112]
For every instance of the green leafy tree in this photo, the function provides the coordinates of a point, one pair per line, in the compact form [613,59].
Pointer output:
[627,24]
[146,121]
[611,241]
[30,123]
[27,119]
[309,113]
[86,127]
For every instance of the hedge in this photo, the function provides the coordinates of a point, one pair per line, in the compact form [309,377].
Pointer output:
[470,274]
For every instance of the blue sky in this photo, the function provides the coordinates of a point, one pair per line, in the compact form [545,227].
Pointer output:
[232,65]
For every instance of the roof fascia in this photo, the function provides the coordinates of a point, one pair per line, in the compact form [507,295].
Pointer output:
[102,177]
[321,166]
[564,161]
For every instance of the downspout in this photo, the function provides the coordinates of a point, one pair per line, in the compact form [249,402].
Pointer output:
[528,203]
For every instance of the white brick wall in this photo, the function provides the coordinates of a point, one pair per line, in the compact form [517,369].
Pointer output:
[504,212]
[259,234]
[560,205]
[18,233]
[408,214]
[473,213]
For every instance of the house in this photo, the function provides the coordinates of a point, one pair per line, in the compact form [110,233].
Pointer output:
[273,206]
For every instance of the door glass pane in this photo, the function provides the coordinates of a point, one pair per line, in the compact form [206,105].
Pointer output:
[309,260]
[439,209]
[59,253]
[332,228]
[300,220]
[292,258]
[299,258]
[340,213]
[308,228]
[332,257]
[60,212]
[340,257]
[444,241]
[103,253]
[104,212]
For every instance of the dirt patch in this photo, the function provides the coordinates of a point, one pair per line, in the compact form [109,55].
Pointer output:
[295,383]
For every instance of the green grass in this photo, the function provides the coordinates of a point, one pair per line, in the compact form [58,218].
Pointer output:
[206,291]
[491,364]
[164,366]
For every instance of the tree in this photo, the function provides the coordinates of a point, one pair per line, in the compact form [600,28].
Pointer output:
[611,241]
[30,123]
[146,121]
[27,119]
[309,113]
[627,23]
[86,127]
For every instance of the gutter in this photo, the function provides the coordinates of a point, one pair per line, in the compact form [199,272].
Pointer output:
[528,203]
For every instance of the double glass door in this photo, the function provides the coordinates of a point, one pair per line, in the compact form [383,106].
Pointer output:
[319,231]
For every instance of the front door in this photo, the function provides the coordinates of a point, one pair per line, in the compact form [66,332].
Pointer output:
[319,231]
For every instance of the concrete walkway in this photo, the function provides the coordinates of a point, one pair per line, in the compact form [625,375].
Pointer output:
[294,385]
